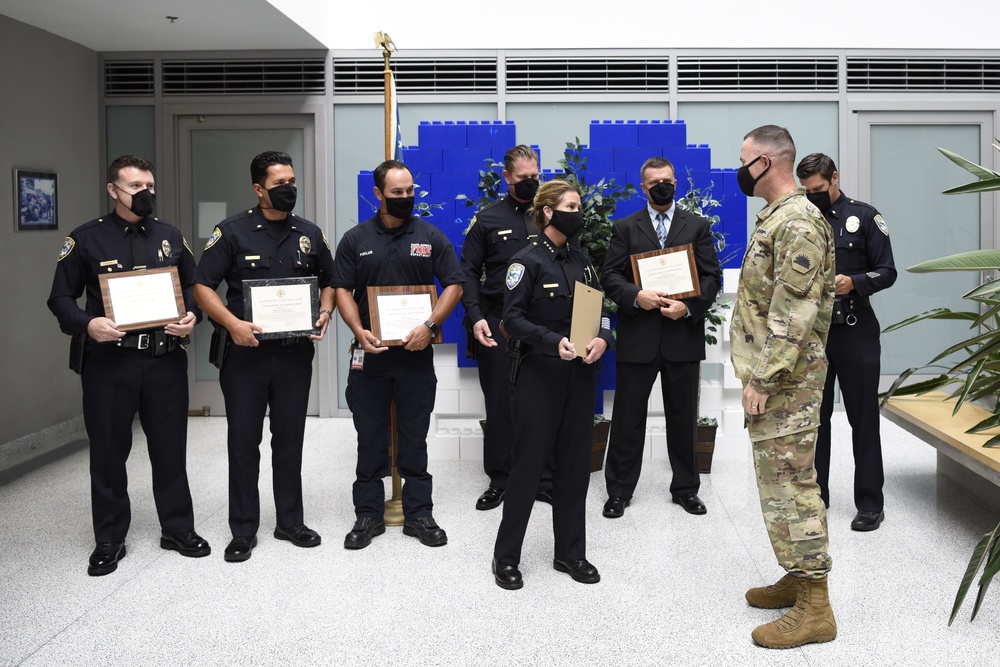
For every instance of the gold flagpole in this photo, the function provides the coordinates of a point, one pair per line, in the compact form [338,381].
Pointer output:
[393,507]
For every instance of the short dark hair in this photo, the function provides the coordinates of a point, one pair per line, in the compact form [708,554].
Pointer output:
[519,152]
[816,163]
[260,164]
[140,163]
[775,140]
[385,168]
[656,162]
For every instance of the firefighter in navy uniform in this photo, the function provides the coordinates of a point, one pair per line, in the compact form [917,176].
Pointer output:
[393,248]
[267,241]
[864,267]
[554,389]
[496,233]
[142,371]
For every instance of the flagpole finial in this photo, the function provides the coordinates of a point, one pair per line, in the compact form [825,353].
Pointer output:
[384,42]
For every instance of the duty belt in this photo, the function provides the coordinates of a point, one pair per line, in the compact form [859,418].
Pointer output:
[155,342]
[844,309]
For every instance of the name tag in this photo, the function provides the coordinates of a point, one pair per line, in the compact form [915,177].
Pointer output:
[251,257]
[110,262]
[550,285]
[506,231]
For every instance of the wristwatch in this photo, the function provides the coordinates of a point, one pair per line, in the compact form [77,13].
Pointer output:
[432,326]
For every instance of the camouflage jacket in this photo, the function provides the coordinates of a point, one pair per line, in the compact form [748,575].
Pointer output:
[782,314]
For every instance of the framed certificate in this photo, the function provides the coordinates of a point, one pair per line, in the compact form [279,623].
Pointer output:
[282,307]
[143,299]
[671,270]
[395,311]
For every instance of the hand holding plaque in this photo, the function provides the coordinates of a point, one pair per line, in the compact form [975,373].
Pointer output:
[396,311]
[143,299]
[282,307]
[671,270]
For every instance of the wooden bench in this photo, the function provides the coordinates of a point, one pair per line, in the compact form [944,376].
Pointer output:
[961,456]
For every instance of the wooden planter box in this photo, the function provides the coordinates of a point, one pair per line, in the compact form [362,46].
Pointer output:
[705,447]
[601,431]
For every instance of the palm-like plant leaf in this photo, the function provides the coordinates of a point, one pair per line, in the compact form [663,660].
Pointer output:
[992,566]
[986,259]
[933,314]
[979,171]
[978,558]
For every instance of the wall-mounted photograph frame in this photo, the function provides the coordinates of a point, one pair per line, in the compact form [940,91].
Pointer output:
[36,203]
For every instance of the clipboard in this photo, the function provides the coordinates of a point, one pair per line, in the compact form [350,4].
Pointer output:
[586,322]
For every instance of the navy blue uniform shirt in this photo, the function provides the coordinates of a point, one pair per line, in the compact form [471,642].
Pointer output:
[104,245]
[372,255]
[497,232]
[538,306]
[863,250]
[248,246]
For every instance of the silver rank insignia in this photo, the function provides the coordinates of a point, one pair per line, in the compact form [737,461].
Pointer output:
[514,275]
[880,221]
[213,239]
[67,248]
[853,224]
[166,248]
[305,245]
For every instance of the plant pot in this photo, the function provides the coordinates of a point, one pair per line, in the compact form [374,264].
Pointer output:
[601,431]
[705,447]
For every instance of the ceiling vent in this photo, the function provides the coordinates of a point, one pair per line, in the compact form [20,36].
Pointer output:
[129,78]
[416,76]
[923,74]
[588,75]
[709,75]
[244,77]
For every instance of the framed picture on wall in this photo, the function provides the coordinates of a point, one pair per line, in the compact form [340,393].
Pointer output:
[35,201]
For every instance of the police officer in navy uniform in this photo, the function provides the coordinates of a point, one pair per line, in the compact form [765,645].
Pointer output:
[495,234]
[864,267]
[393,248]
[265,242]
[142,371]
[554,388]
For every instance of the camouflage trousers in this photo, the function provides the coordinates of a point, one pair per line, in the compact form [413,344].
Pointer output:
[794,513]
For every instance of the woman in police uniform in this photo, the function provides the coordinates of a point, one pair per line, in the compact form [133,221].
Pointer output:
[552,392]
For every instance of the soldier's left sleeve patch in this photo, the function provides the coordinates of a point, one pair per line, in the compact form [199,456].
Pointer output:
[800,266]
[880,221]
[214,238]
[514,275]
[67,248]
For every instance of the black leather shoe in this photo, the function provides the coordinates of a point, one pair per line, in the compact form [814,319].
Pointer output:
[615,507]
[691,503]
[105,558]
[365,528]
[300,536]
[544,496]
[189,544]
[240,549]
[581,570]
[492,497]
[867,521]
[507,576]
[426,530]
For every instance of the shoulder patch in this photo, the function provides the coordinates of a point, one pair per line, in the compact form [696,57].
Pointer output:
[214,238]
[186,246]
[880,221]
[67,248]
[514,275]
[325,242]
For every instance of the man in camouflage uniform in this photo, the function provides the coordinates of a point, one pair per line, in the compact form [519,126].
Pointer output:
[778,334]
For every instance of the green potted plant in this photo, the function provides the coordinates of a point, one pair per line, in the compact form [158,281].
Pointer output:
[700,201]
[977,373]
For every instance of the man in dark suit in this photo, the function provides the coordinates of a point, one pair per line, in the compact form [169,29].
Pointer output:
[657,335]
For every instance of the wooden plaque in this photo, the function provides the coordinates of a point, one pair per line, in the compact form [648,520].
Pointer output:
[394,311]
[669,273]
[143,299]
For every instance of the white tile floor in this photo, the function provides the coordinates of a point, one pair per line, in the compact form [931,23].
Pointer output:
[671,591]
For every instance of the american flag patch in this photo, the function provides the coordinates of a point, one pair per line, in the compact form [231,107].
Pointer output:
[420,250]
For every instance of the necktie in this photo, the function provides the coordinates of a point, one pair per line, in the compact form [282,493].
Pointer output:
[138,247]
[661,229]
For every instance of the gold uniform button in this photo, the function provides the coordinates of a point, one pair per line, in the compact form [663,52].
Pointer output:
[253,265]
[552,294]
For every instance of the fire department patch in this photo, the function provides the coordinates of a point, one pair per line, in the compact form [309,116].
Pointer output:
[420,249]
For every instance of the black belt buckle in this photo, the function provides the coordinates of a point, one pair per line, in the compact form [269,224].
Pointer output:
[143,342]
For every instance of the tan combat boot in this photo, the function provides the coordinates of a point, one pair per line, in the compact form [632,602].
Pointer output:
[777,595]
[809,621]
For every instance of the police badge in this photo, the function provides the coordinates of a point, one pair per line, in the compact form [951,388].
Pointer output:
[305,245]
[853,224]
[166,248]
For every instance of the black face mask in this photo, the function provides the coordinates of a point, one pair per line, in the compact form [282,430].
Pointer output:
[399,207]
[283,197]
[747,182]
[662,194]
[567,222]
[820,200]
[525,190]
[143,203]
